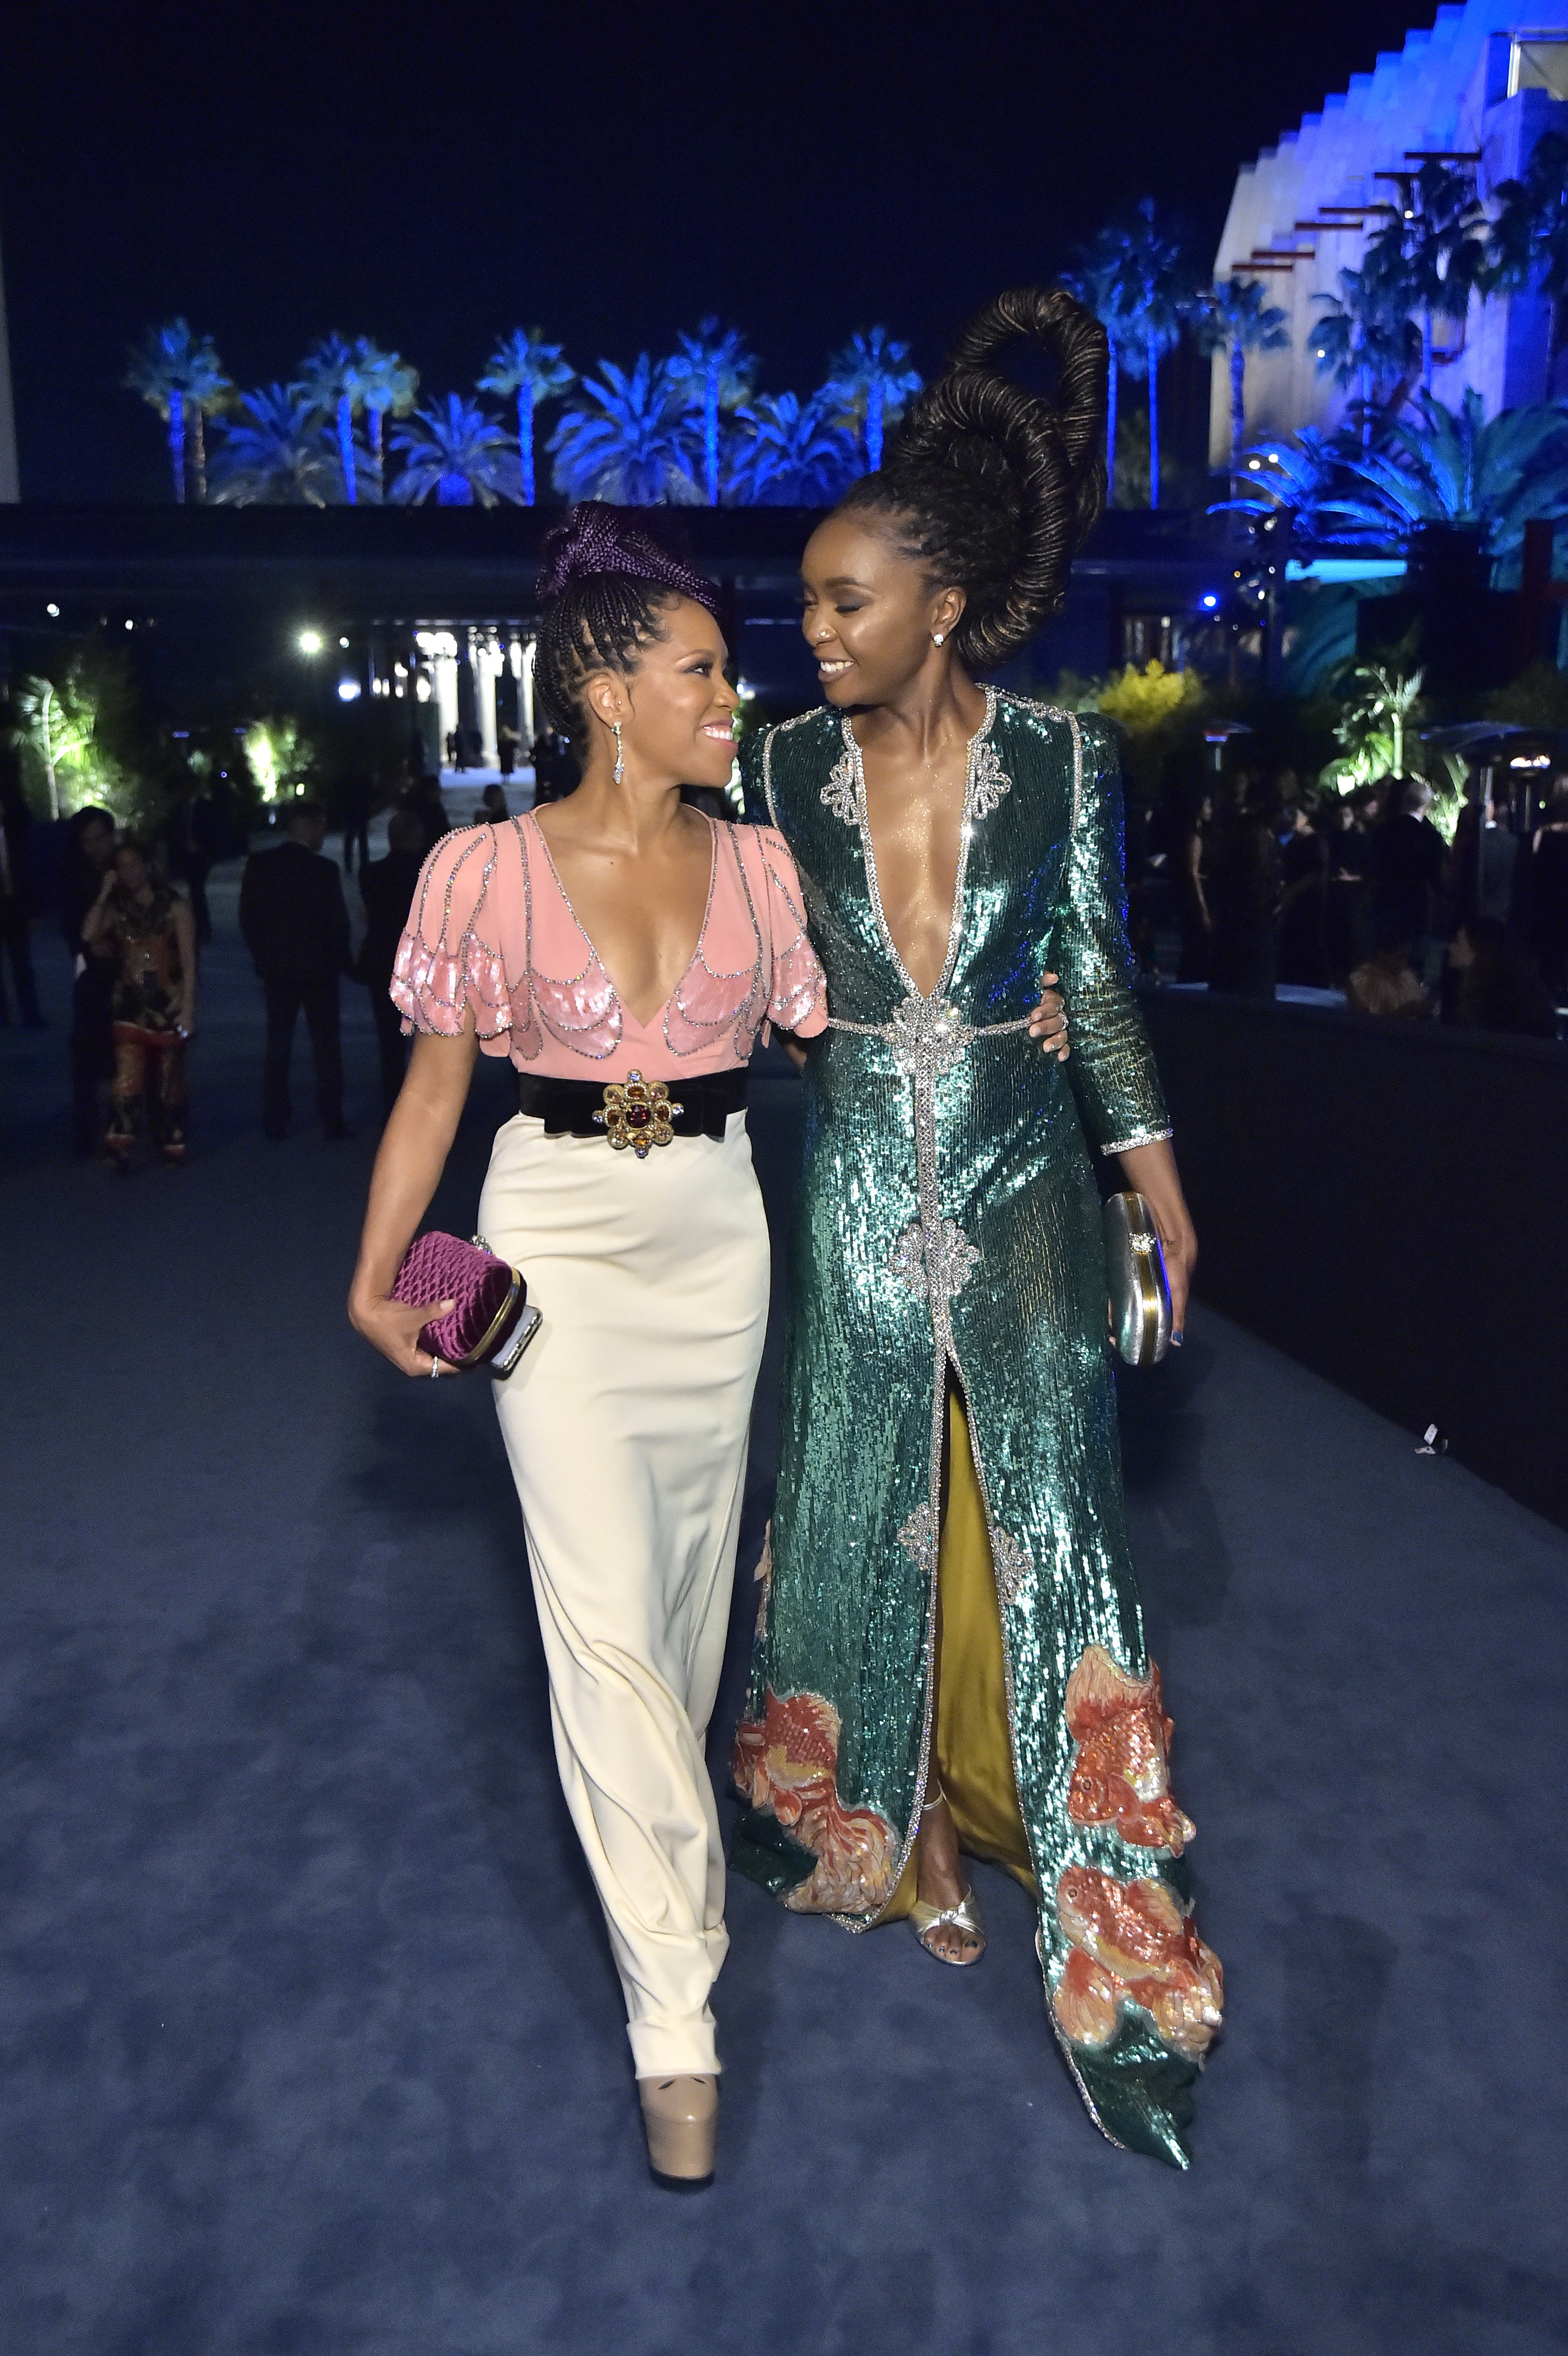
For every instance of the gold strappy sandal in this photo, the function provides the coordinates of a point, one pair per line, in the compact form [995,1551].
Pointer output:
[966,1916]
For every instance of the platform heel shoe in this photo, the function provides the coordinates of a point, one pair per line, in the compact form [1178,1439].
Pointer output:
[680,2117]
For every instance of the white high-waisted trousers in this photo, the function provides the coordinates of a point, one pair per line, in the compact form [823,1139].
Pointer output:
[625,1424]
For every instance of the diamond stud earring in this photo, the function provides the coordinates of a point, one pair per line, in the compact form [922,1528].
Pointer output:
[937,637]
[620,757]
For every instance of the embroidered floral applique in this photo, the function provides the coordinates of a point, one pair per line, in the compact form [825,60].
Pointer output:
[952,1259]
[841,793]
[988,781]
[1132,1945]
[927,1036]
[787,1762]
[1012,1563]
[1121,1775]
[918,1538]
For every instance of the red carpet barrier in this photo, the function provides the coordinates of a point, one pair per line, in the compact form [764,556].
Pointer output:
[1389,1205]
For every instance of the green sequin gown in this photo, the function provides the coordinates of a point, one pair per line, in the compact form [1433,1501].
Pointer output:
[948,1231]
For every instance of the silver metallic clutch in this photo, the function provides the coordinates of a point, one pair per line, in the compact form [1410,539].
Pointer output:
[1135,1267]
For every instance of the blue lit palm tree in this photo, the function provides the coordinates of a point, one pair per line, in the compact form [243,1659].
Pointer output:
[179,375]
[1459,469]
[1097,281]
[524,368]
[1157,285]
[1529,236]
[1233,315]
[384,385]
[794,454]
[636,445]
[329,380]
[871,380]
[717,369]
[1433,252]
[458,452]
[273,453]
[1365,337]
[1299,487]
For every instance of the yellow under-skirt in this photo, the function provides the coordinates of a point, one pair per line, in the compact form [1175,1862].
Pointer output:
[973,1750]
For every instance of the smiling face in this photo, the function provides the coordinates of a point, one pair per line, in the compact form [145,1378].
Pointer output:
[677,709]
[869,612]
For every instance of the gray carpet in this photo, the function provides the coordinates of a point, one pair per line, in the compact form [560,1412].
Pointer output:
[312,2045]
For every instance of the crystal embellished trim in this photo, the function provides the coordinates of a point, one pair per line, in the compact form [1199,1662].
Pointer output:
[841,794]
[955,1256]
[927,1036]
[917,1537]
[1012,1563]
[988,781]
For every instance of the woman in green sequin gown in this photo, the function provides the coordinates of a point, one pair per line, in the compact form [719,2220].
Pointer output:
[947,1366]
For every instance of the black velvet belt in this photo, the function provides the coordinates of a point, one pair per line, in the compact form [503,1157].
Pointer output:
[635,1112]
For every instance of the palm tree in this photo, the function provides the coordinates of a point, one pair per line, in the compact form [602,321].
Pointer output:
[179,375]
[328,380]
[459,453]
[794,454]
[1365,337]
[717,369]
[871,380]
[1530,237]
[1098,285]
[636,445]
[1301,487]
[1233,314]
[1158,293]
[274,453]
[382,382]
[525,367]
[1433,252]
[1456,467]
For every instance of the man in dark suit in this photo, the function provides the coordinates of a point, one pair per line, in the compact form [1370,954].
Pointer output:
[387,888]
[295,924]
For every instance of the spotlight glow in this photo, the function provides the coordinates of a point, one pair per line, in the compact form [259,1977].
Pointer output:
[53,612]
[1209,600]
[348,691]
[309,642]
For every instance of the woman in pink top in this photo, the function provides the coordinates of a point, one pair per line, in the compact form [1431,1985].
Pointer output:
[624,951]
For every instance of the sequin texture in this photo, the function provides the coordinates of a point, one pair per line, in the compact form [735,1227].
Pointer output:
[928,1118]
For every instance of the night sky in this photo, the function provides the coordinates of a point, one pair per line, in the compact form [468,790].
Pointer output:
[432,176]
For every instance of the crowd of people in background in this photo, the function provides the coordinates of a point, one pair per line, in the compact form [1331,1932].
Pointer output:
[1359,893]
[1260,881]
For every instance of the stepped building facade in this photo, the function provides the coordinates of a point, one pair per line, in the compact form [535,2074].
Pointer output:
[1478,90]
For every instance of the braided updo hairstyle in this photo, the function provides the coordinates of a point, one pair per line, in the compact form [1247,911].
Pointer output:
[993,489]
[605,588]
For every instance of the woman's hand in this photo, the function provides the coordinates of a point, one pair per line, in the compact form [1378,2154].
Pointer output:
[413,1151]
[1048,1023]
[1152,1170]
[394,1327]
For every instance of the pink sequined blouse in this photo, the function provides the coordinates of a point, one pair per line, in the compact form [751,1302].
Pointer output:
[491,928]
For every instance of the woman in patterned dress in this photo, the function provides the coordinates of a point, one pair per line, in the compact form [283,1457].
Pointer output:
[951,1652]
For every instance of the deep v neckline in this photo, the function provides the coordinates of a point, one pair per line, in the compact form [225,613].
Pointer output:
[965,829]
[629,1012]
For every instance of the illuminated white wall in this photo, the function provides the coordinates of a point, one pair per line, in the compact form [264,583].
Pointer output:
[1447,91]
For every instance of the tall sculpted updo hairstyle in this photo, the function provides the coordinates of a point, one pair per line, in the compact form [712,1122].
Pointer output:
[993,489]
[604,587]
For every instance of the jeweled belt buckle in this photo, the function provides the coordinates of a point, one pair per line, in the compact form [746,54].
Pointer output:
[638,1114]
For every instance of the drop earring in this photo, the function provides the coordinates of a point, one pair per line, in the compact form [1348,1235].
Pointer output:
[937,637]
[619,755]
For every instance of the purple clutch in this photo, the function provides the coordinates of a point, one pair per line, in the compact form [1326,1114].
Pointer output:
[491,1322]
